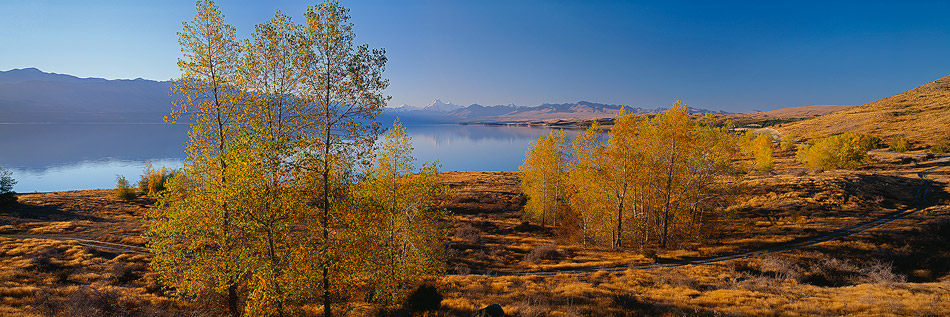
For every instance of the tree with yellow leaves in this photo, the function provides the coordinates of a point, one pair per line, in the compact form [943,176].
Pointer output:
[261,209]
[653,176]
[761,149]
[199,223]
[342,91]
[404,238]
[542,178]
[587,192]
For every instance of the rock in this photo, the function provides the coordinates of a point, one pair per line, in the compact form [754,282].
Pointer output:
[493,310]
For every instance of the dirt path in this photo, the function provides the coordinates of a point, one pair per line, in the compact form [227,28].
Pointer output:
[96,244]
[920,199]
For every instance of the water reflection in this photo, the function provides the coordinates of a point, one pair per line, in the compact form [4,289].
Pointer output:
[48,157]
[475,147]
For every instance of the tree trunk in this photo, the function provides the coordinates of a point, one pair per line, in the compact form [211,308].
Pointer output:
[233,300]
[669,192]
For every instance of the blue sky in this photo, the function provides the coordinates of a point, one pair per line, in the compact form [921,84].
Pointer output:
[729,55]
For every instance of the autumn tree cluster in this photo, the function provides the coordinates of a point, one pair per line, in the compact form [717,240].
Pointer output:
[284,202]
[648,181]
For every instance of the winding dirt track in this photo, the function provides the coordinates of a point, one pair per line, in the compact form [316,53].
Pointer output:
[920,197]
[96,244]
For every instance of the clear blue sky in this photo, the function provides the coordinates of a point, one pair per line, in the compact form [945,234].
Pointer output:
[730,55]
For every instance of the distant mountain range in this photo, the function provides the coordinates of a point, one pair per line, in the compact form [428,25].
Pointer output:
[439,111]
[32,96]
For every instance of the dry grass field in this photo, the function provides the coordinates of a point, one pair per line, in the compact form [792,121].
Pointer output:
[921,114]
[799,112]
[900,268]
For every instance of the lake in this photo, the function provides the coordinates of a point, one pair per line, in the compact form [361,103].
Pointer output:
[60,157]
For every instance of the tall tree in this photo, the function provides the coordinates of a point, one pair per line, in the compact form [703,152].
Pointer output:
[342,90]
[587,192]
[542,177]
[266,171]
[405,238]
[625,152]
[196,258]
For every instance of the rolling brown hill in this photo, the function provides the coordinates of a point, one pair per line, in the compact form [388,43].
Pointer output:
[921,114]
[797,112]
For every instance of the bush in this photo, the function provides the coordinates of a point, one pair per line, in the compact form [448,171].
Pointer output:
[542,252]
[466,232]
[941,148]
[898,143]
[843,151]
[867,142]
[7,195]
[762,151]
[123,190]
[424,297]
[880,273]
[152,182]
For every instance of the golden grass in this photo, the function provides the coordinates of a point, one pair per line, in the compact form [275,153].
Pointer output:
[39,276]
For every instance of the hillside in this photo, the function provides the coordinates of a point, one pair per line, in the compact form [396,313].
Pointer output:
[796,112]
[921,114]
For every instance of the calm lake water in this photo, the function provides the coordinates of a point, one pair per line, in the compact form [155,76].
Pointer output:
[60,157]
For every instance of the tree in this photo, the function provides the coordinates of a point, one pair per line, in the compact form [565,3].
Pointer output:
[542,176]
[270,199]
[587,192]
[405,239]
[626,154]
[342,91]
[264,209]
[198,259]
[7,195]
[688,157]
[759,146]
[653,176]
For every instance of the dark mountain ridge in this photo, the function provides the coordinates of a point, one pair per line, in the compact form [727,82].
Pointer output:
[32,96]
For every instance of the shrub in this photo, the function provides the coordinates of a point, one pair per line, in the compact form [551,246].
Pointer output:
[123,190]
[762,151]
[7,195]
[941,148]
[867,142]
[542,252]
[898,143]
[152,181]
[466,232]
[424,297]
[880,273]
[787,144]
[843,151]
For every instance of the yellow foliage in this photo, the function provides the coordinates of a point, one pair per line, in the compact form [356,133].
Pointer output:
[651,179]
[842,151]
[542,178]
[399,219]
